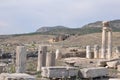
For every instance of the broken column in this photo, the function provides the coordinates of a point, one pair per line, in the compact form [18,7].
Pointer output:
[109,44]
[58,54]
[96,51]
[88,52]
[103,50]
[42,51]
[50,60]
[20,59]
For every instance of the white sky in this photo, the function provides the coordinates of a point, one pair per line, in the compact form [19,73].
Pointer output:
[22,16]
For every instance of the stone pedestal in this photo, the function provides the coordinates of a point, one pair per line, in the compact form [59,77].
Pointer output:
[96,51]
[20,59]
[50,60]
[42,51]
[88,52]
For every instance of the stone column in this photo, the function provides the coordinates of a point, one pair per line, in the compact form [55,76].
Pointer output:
[96,51]
[42,51]
[58,54]
[109,44]
[20,59]
[50,60]
[88,52]
[103,49]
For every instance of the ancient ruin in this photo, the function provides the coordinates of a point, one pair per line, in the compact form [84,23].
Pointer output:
[91,62]
[106,51]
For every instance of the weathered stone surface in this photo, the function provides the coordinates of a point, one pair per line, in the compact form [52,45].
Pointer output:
[112,64]
[93,72]
[42,51]
[50,59]
[101,63]
[96,51]
[58,54]
[118,67]
[88,52]
[20,59]
[118,49]
[58,72]
[109,44]
[2,67]
[16,76]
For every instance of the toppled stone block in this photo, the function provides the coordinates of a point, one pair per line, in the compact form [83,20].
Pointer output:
[112,64]
[58,72]
[93,72]
[16,76]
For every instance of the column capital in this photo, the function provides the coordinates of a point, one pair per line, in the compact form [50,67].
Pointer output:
[105,23]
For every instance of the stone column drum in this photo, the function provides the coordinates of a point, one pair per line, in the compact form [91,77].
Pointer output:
[88,52]
[96,51]
[42,51]
[109,44]
[50,60]
[20,59]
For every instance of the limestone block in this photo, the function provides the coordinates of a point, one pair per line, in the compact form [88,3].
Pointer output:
[93,72]
[112,64]
[58,72]
[16,76]
[72,71]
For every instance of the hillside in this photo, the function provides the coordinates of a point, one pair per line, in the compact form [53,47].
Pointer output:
[89,39]
[76,40]
[45,29]
[86,29]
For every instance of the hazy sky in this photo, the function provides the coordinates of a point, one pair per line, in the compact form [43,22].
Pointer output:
[22,16]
